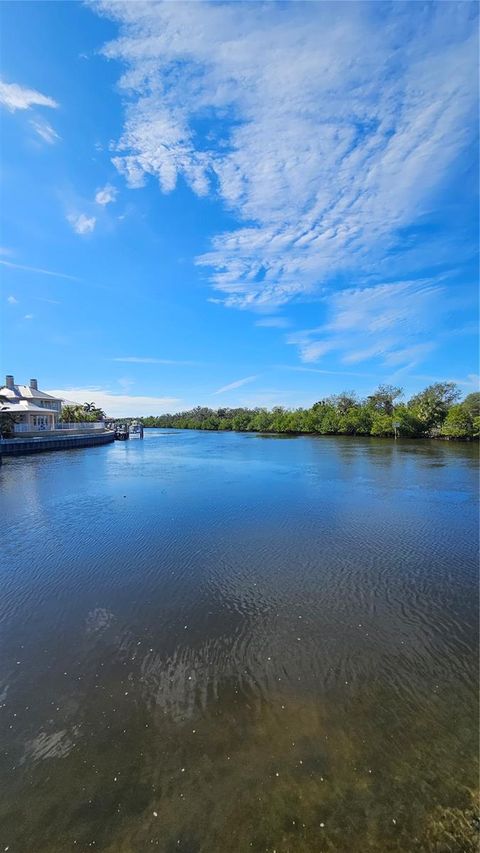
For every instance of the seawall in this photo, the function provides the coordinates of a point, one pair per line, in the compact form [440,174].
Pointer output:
[21,446]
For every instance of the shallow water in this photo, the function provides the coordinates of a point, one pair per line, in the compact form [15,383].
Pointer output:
[219,643]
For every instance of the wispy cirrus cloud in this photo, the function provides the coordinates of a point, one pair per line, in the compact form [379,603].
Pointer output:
[45,131]
[16,97]
[322,171]
[237,384]
[301,369]
[379,322]
[38,270]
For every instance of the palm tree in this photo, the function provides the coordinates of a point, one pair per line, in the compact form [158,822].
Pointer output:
[71,413]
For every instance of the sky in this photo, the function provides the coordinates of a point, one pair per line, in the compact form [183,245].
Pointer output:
[233,204]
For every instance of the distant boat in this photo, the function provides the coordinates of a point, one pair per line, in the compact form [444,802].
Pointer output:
[135,430]
[121,432]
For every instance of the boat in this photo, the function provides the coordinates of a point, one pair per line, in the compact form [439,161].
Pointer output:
[135,430]
[121,432]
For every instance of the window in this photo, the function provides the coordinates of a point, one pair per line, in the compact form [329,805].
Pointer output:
[40,421]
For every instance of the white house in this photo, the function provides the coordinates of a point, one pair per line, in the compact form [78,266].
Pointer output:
[31,408]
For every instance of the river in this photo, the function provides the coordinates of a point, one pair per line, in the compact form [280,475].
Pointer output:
[222,643]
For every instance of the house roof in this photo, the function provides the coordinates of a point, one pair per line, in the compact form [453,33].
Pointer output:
[21,406]
[25,392]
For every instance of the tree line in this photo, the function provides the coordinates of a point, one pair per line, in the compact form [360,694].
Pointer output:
[435,412]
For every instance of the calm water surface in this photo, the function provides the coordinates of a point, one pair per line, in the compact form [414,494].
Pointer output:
[218,643]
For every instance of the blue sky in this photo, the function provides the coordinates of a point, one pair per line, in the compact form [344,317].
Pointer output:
[238,204]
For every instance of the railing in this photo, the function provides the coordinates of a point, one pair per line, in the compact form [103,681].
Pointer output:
[80,427]
[32,428]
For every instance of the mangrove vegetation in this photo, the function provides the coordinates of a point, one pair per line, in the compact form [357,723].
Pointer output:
[435,412]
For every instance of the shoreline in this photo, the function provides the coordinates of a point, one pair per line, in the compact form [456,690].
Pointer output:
[298,434]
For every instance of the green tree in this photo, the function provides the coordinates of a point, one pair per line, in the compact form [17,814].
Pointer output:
[75,413]
[329,421]
[472,403]
[384,398]
[409,424]
[293,421]
[343,402]
[357,420]
[382,424]
[262,421]
[241,421]
[432,404]
[72,413]
[458,423]
[92,413]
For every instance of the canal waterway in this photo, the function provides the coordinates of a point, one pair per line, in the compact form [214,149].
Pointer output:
[222,643]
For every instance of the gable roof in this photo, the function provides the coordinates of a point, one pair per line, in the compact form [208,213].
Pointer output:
[24,392]
[33,393]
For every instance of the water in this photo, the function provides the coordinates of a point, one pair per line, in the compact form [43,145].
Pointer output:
[219,643]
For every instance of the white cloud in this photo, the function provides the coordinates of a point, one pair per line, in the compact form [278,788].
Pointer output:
[12,300]
[381,322]
[45,131]
[16,97]
[28,317]
[106,195]
[237,384]
[81,224]
[326,131]
[117,405]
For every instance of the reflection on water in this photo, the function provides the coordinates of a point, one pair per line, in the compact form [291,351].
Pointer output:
[219,643]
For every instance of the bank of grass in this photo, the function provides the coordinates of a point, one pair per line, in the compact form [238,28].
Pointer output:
[433,413]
